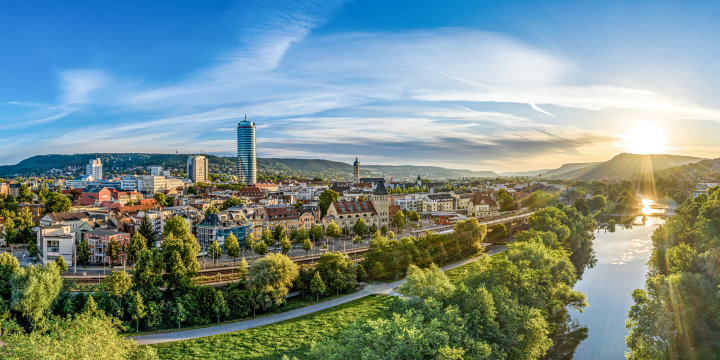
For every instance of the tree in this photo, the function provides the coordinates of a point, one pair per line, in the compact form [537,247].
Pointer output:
[285,244]
[317,232]
[147,277]
[250,242]
[80,337]
[242,269]
[271,277]
[267,237]
[83,252]
[398,221]
[361,274]
[326,198]
[298,205]
[25,194]
[215,252]
[231,202]
[146,229]
[317,286]
[499,232]
[211,210]
[357,239]
[337,270]
[136,308]
[178,311]
[192,191]
[427,283]
[117,284]
[33,291]
[383,230]
[218,305]
[360,228]
[278,233]
[176,274]
[75,194]
[182,241]
[159,198]
[137,243]
[333,230]
[232,247]
[307,246]
[598,202]
[60,262]
[57,203]
[414,216]
[302,234]
[373,229]
[582,206]
[9,226]
[8,264]
[261,248]
[113,250]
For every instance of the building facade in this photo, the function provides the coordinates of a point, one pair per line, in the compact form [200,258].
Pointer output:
[99,240]
[247,165]
[197,169]
[94,168]
[217,226]
[54,241]
[356,171]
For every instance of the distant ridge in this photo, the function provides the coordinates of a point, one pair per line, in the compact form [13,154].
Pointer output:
[566,168]
[627,166]
[42,164]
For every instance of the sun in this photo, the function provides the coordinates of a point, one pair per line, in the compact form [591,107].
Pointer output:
[645,138]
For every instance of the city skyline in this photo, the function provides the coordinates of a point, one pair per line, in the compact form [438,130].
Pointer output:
[476,85]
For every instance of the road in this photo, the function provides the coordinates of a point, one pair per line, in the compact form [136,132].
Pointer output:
[383,289]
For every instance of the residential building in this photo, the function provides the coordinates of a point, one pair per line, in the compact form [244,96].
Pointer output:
[247,166]
[481,205]
[129,183]
[151,184]
[4,189]
[412,202]
[54,241]
[217,226]
[94,168]
[156,171]
[99,240]
[702,188]
[438,202]
[346,214]
[197,169]
[308,216]
[285,216]
[123,197]
[78,221]
[37,211]
[14,190]
[257,217]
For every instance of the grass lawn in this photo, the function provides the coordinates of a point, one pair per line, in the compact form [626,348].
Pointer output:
[291,337]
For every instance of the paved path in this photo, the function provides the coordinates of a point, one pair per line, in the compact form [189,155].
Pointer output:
[384,289]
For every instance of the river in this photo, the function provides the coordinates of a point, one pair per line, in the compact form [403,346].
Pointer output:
[618,270]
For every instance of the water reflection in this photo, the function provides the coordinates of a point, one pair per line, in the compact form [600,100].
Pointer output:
[583,259]
[567,335]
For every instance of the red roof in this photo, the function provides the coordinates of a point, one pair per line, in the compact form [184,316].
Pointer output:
[352,207]
[281,212]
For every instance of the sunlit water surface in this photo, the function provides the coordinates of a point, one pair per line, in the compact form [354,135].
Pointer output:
[621,258]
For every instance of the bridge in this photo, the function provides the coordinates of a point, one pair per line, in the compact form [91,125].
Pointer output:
[515,220]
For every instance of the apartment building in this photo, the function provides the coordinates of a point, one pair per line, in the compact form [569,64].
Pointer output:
[99,240]
[702,188]
[217,226]
[54,241]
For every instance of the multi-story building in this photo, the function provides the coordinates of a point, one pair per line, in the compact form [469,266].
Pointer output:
[156,171]
[438,202]
[80,182]
[257,216]
[97,193]
[356,171]
[247,166]
[4,189]
[14,189]
[381,203]
[151,184]
[347,213]
[412,202]
[37,211]
[217,226]
[129,183]
[94,168]
[54,241]
[285,216]
[99,240]
[702,188]
[77,221]
[197,169]
[481,205]
[123,197]
[307,216]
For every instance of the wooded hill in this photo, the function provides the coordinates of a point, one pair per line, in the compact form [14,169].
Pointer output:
[627,166]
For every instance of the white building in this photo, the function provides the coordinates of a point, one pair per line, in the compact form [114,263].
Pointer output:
[129,183]
[54,241]
[156,171]
[94,168]
[702,188]
[197,169]
[80,182]
[152,184]
[413,202]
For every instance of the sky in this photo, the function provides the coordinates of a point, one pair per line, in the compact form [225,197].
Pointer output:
[481,85]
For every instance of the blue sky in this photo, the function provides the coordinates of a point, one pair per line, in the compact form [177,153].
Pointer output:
[483,85]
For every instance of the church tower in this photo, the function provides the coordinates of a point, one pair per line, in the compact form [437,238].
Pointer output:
[356,171]
[381,203]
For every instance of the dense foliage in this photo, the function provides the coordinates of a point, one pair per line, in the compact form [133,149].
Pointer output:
[675,315]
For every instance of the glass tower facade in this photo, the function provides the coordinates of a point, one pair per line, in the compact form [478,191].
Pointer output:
[247,165]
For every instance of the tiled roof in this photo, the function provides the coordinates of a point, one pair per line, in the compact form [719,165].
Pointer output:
[281,212]
[352,207]
[60,217]
[479,198]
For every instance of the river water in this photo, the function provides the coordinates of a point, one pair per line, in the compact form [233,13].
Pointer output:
[620,268]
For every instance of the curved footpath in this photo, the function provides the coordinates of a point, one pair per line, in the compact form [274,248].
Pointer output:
[384,289]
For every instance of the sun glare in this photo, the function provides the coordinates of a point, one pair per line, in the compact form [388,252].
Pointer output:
[645,139]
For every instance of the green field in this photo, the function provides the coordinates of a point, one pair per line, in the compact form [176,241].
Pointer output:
[291,337]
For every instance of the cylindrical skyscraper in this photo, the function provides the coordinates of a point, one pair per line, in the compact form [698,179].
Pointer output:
[247,165]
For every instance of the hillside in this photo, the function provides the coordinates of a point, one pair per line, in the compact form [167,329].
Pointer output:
[566,168]
[121,162]
[628,166]
[525,173]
